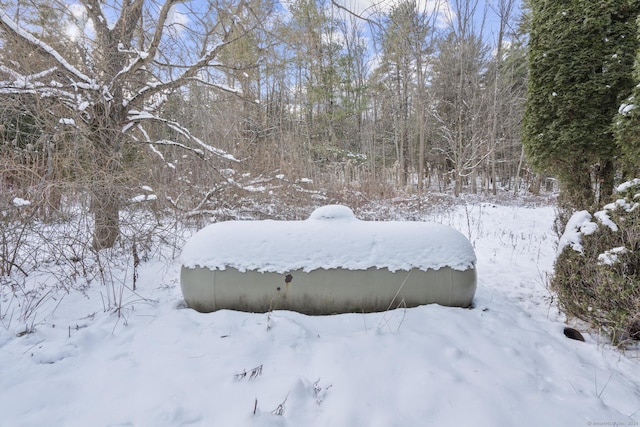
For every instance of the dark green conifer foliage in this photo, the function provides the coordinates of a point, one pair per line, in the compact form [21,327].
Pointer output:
[627,124]
[580,59]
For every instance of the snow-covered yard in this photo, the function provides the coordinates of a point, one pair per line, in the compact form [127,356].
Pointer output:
[504,362]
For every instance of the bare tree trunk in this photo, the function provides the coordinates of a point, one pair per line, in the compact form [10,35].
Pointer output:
[421,144]
[106,181]
[535,186]
[504,12]
[421,120]
[106,213]
[606,181]
[516,183]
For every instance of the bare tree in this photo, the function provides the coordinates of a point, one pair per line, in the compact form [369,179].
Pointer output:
[461,106]
[112,79]
[504,10]
[407,41]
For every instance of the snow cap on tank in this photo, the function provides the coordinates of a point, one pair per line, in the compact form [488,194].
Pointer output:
[330,212]
[332,237]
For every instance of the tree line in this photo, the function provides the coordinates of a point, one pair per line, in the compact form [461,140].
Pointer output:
[113,109]
[101,98]
[193,99]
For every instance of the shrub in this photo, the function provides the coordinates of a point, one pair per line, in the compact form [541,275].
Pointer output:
[597,272]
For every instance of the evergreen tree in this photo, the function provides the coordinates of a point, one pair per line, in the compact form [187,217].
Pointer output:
[627,124]
[580,59]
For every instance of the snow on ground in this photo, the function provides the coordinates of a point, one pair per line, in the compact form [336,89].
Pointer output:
[504,362]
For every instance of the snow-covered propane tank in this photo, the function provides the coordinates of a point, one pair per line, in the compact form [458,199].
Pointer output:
[329,263]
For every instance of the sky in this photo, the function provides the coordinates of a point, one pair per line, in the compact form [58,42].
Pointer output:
[445,9]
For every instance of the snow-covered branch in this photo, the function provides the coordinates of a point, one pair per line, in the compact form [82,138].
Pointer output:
[11,27]
[189,73]
[185,132]
[143,57]
[36,84]
[20,80]
[222,87]
[135,117]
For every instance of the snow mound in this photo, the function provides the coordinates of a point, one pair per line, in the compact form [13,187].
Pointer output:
[333,212]
[332,237]
[579,224]
[18,202]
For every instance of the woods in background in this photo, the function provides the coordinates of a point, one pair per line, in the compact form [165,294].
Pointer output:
[101,98]
[197,100]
